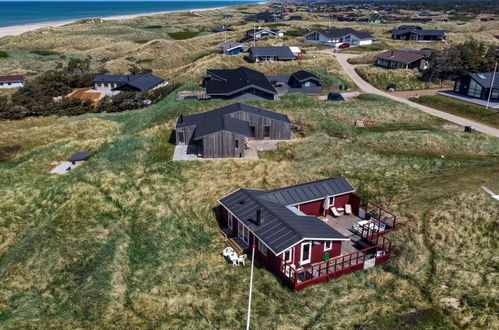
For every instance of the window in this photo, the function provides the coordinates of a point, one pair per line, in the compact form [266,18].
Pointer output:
[262,247]
[457,86]
[328,245]
[331,201]
[266,131]
[243,232]
[253,130]
[237,143]
[306,253]
[288,255]
[495,94]
[475,90]
[306,84]
[229,221]
[181,137]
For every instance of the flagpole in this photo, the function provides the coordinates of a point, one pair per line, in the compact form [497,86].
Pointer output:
[491,87]
[251,284]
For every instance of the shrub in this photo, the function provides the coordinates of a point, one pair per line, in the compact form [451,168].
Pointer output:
[3,54]
[44,52]
[183,35]
[153,27]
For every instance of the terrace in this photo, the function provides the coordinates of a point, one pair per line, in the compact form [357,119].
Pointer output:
[365,228]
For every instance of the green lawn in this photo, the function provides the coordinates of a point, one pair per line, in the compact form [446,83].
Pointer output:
[183,35]
[131,238]
[461,108]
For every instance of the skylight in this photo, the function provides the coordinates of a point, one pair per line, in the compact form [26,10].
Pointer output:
[481,76]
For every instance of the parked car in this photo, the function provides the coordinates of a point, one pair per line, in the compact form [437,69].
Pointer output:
[344,45]
[335,97]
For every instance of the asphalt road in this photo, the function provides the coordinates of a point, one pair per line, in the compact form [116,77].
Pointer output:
[368,88]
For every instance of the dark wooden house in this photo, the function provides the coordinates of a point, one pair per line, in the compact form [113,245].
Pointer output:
[242,83]
[417,33]
[478,85]
[223,132]
[296,237]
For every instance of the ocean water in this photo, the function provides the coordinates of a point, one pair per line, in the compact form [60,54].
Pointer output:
[27,12]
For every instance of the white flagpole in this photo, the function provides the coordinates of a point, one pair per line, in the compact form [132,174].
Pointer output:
[491,86]
[251,284]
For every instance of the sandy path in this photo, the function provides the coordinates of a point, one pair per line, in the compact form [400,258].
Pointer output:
[368,88]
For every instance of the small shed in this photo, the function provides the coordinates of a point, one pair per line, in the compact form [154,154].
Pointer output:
[79,156]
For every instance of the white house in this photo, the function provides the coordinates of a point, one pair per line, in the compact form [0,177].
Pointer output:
[336,37]
[12,81]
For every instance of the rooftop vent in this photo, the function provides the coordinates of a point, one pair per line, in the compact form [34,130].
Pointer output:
[481,76]
[241,202]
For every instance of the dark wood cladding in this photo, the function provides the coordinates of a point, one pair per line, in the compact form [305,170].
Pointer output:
[223,144]
[279,130]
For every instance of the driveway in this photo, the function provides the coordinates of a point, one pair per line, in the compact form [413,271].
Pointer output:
[368,88]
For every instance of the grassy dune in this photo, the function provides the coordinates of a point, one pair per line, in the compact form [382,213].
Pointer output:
[131,238]
[405,80]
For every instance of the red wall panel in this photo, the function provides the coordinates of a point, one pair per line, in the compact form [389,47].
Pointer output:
[312,208]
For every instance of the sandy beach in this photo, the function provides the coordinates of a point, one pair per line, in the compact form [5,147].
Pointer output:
[20,29]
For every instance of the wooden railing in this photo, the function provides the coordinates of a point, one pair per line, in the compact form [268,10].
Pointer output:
[381,221]
[336,267]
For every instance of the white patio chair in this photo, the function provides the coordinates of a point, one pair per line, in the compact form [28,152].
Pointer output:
[335,212]
[233,258]
[348,209]
[228,250]
[241,259]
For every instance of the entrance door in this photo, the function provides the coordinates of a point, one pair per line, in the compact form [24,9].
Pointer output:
[306,253]
[181,138]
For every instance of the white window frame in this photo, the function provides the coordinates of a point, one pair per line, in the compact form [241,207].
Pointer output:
[229,221]
[306,261]
[326,243]
[290,250]
[262,247]
[243,232]
[331,201]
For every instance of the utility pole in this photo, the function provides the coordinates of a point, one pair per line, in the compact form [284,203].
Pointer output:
[491,86]
[251,285]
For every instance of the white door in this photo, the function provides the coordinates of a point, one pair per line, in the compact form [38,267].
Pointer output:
[306,253]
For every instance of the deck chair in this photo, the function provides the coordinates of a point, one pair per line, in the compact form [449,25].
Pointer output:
[348,209]
[241,259]
[227,251]
[233,258]
[335,212]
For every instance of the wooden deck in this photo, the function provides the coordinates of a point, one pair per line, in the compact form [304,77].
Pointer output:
[344,225]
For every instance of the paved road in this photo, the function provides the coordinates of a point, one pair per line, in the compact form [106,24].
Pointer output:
[368,88]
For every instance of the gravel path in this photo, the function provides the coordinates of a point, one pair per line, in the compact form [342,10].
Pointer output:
[368,88]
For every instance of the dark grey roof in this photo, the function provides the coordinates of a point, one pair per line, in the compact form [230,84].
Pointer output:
[418,32]
[138,82]
[303,75]
[338,33]
[79,156]
[223,123]
[228,110]
[279,228]
[309,191]
[231,81]
[145,82]
[485,79]
[281,52]
[114,78]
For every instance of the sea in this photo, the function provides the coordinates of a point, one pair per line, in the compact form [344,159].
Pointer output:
[30,12]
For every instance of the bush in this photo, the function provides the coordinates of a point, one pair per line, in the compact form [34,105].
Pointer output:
[183,35]
[44,52]
[3,54]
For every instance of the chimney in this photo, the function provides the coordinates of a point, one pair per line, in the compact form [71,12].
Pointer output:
[391,55]
[258,217]
[181,119]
